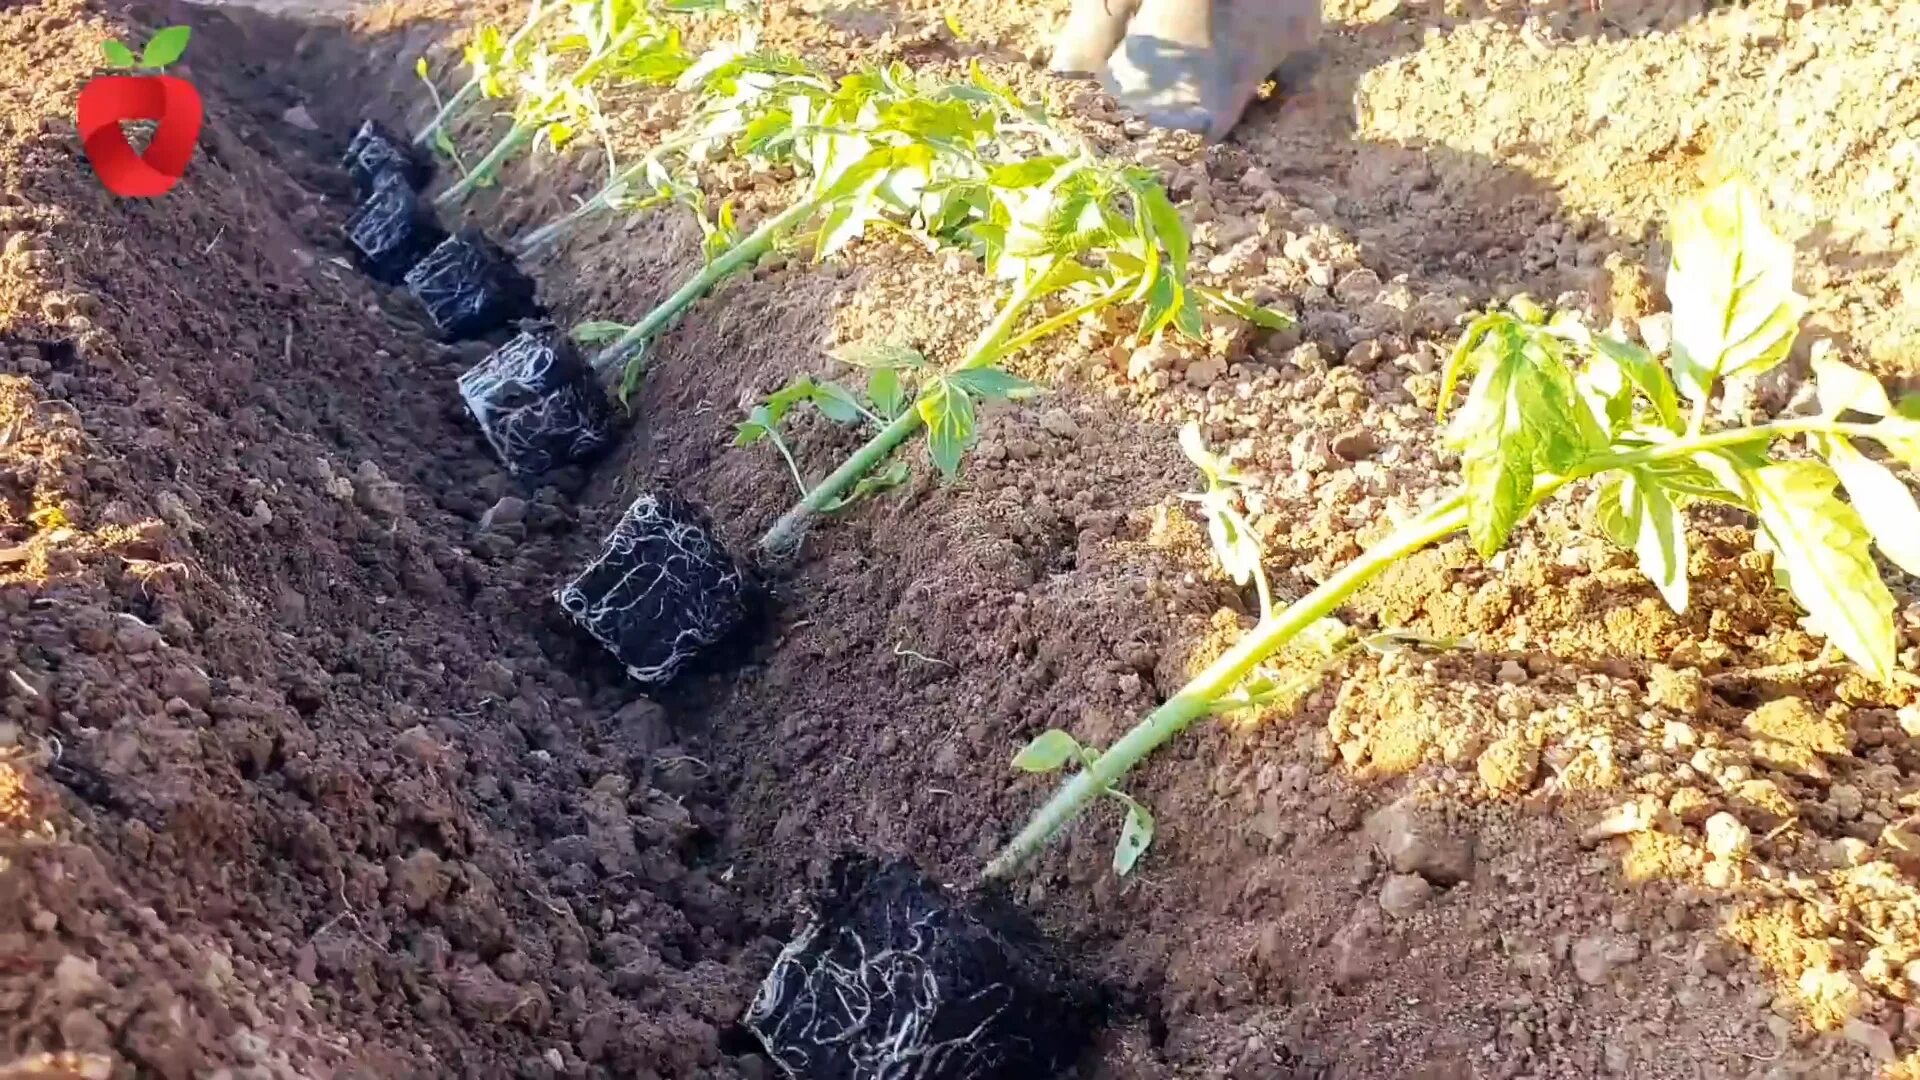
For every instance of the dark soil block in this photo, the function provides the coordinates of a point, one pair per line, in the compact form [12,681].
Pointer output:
[375,150]
[893,977]
[538,403]
[662,589]
[393,229]
[470,287]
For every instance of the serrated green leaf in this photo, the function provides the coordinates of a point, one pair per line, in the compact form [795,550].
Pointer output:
[1645,373]
[1845,388]
[947,412]
[167,46]
[1885,505]
[836,402]
[1136,835]
[1820,547]
[1263,317]
[1659,536]
[892,476]
[595,332]
[1023,174]
[1735,311]
[993,384]
[758,425]
[1048,751]
[884,389]
[1168,230]
[118,55]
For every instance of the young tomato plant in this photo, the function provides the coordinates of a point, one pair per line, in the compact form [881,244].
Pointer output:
[1551,404]
[868,147]
[490,57]
[620,41]
[1064,229]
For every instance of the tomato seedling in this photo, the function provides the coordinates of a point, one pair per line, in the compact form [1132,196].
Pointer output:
[1551,404]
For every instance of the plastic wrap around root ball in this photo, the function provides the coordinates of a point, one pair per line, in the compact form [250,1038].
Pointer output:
[538,404]
[662,589]
[392,230]
[894,978]
[375,151]
[470,287]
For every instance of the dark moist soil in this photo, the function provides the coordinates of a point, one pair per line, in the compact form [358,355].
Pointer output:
[302,772]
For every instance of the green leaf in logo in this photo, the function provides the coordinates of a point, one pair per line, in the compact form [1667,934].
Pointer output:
[166,47]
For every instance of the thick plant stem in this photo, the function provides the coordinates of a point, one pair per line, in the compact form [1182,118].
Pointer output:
[738,257]
[513,140]
[990,346]
[1198,697]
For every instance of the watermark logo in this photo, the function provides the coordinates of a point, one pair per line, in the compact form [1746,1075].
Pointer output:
[110,100]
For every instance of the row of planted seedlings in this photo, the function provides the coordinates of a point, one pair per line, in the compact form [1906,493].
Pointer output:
[896,975]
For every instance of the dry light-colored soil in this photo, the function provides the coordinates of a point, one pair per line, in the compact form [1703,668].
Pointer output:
[302,775]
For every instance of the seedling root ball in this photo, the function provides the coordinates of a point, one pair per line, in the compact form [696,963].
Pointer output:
[470,287]
[662,589]
[375,151]
[393,229]
[893,977]
[537,403]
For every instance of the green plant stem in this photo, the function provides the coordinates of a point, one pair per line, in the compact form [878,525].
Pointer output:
[993,343]
[466,92]
[738,257]
[514,139]
[1693,444]
[1198,697]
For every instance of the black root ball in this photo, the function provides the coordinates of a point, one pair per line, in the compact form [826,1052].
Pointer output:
[470,287]
[538,403]
[392,230]
[662,589]
[375,150]
[894,978]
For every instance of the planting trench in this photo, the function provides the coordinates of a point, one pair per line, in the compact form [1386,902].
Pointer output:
[302,772]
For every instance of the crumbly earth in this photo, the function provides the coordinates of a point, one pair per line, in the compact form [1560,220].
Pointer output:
[301,773]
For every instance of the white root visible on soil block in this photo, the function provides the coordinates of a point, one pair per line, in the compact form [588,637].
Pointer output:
[894,978]
[470,287]
[393,229]
[374,151]
[537,403]
[662,589]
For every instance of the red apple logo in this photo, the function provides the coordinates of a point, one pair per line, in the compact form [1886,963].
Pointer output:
[109,100]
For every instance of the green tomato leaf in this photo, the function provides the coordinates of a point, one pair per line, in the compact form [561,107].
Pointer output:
[1024,174]
[758,425]
[1653,528]
[1645,373]
[836,402]
[1730,285]
[886,392]
[1048,751]
[1168,230]
[118,55]
[595,332]
[1135,836]
[948,413]
[993,384]
[1883,502]
[1263,317]
[167,46]
[1845,388]
[1819,546]
[892,476]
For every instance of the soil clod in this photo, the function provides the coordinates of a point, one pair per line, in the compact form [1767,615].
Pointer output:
[895,977]
[662,589]
[470,287]
[537,403]
[393,229]
[376,151]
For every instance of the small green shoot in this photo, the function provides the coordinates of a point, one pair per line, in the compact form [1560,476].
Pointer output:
[1551,404]
[1051,751]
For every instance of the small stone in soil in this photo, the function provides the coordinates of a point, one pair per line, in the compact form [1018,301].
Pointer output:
[893,976]
[538,403]
[470,287]
[392,230]
[376,151]
[662,589]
